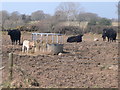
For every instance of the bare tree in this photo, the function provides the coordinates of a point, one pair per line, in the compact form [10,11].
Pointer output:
[37,15]
[60,16]
[87,16]
[15,20]
[5,16]
[70,9]
[15,16]
[25,18]
[47,16]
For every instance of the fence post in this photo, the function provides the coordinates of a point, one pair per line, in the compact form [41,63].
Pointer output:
[10,65]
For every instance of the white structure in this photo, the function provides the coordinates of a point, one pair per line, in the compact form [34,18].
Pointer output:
[53,42]
[54,37]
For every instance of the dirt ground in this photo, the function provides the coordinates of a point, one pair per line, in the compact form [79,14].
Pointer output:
[92,64]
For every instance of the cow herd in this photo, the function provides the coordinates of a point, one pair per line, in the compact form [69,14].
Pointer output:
[108,33]
[15,36]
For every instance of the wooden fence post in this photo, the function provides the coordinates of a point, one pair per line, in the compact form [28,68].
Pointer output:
[10,65]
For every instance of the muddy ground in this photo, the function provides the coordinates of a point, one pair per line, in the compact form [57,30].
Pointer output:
[92,64]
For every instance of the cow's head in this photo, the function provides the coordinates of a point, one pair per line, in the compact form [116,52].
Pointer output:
[9,32]
[32,44]
[80,35]
[104,30]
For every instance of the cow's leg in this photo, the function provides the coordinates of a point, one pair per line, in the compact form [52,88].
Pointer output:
[111,39]
[12,41]
[16,42]
[114,39]
[27,49]
[108,39]
[104,38]
[23,49]
[19,41]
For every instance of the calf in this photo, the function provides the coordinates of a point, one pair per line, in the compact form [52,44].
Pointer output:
[27,44]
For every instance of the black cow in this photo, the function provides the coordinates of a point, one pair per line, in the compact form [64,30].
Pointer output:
[110,34]
[15,36]
[75,39]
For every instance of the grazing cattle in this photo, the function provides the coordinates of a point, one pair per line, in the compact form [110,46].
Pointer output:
[27,45]
[110,34]
[75,39]
[15,36]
